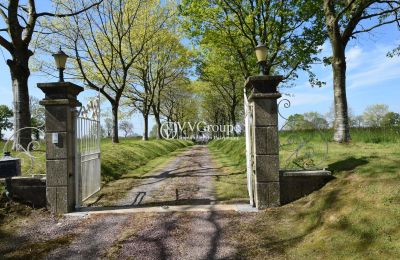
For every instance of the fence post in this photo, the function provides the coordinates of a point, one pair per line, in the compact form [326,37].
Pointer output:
[263,95]
[60,104]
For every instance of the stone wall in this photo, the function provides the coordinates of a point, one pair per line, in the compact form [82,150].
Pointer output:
[297,184]
[29,190]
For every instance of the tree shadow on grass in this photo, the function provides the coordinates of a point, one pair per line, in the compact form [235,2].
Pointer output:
[348,164]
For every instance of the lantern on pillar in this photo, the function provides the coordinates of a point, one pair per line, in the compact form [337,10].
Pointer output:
[60,59]
[261,54]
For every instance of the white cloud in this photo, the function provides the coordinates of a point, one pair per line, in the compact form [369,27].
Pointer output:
[354,57]
[373,69]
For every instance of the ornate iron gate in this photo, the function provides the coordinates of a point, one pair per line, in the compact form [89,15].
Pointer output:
[88,135]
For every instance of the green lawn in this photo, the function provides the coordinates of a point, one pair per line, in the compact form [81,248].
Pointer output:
[355,216]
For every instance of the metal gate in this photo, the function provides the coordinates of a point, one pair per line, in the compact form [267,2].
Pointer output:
[88,134]
[248,110]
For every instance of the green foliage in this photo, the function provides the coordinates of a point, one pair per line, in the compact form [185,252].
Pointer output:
[292,31]
[5,115]
[391,119]
[374,114]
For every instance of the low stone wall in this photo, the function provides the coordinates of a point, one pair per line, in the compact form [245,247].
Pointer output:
[29,190]
[297,184]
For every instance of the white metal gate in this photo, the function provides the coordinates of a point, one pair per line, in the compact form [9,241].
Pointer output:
[88,134]
[248,110]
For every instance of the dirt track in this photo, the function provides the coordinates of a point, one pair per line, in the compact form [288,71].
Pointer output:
[180,235]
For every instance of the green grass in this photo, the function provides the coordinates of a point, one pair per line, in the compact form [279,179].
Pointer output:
[120,159]
[230,156]
[116,189]
[116,159]
[358,135]
[355,216]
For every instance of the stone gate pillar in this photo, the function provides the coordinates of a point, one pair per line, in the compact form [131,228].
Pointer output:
[60,105]
[263,95]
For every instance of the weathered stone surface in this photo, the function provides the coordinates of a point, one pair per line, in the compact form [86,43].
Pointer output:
[266,140]
[56,151]
[57,118]
[57,172]
[263,84]
[60,102]
[267,168]
[63,205]
[267,194]
[274,194]
[261,195]
[265,112]
[297,184]
[51,198]
[29,190]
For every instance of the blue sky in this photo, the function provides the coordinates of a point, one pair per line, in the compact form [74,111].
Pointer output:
[371,77]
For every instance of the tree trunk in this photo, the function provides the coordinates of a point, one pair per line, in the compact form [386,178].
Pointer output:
[22,117]
[341,124]
[233,119]
[115,138]
[146,127]
[158,121]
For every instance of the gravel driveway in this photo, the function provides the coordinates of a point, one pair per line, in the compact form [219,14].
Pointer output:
[185,180]
[173,235]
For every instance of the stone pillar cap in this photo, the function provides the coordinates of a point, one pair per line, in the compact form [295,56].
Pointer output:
[60,90]
[263,84]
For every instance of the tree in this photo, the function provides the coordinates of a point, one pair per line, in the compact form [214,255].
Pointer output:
[292,31]
[108,124]
[316,119]
[344,21]
[224,78]
[374,114]
[163,62]
[297,122]
[106,42]
[391,119]
[357,121]
[37,116]
[5,114]
[127,127]
[20,21]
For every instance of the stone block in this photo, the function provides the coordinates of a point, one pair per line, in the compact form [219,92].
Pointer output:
[63,204]
[267,195]
[267,168]
[56,151]
[266,140]
[57,118]
[51,197]
[265,112]
[57,172]
[274,194]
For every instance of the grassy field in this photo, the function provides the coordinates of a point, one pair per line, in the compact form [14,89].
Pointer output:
[355,216]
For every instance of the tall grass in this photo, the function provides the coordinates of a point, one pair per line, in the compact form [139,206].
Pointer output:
[358,135]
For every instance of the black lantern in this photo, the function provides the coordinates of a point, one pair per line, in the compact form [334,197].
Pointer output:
[261,54]
[61,59]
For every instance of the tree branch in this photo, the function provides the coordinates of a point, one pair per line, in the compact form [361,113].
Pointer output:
[70,14]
